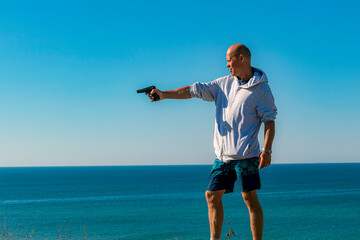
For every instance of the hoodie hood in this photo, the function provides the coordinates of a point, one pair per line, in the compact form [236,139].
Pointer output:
[258,77]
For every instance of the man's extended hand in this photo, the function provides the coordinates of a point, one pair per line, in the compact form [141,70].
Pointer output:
[158,92]
[264,159]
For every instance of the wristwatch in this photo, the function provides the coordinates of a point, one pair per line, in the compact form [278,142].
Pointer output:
[267,150]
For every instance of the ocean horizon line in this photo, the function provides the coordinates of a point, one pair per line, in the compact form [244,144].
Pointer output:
[166,165]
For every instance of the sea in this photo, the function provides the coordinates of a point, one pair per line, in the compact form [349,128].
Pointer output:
[300,201]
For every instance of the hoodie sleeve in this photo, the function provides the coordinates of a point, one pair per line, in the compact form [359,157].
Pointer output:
[266,108]
[205,91]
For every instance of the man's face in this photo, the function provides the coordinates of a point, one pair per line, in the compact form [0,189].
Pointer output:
[233,63]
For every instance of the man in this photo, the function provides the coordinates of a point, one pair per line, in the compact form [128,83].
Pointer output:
[243,101]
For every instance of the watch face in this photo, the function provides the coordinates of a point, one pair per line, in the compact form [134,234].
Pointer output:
[267,150]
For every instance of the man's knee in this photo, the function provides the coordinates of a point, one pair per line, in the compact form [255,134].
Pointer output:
[214,197]
[251,200]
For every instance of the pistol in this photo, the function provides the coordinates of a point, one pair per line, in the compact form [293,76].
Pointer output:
[147,90]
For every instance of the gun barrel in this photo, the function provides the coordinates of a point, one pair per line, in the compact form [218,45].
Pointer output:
[145,90]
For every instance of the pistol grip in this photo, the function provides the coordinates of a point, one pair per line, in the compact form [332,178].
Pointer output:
[156,97]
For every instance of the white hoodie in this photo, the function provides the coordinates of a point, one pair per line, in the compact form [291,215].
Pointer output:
[240,109]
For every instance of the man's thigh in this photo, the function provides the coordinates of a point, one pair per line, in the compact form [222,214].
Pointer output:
[247,171]
[222,177]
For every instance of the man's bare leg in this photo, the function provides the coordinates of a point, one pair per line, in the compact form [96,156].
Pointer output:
[216,212]
[255,212]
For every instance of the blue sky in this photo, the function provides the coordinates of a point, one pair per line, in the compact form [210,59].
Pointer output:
[69,71]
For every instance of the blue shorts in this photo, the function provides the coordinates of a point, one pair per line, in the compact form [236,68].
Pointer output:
[224,175]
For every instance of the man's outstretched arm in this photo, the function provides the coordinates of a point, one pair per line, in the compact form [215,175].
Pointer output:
[180,93]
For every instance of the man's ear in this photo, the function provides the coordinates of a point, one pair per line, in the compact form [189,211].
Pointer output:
[241,58]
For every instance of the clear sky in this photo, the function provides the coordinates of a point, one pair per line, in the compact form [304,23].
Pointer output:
[69,71]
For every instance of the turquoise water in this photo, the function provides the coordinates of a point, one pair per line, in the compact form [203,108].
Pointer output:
[300,201]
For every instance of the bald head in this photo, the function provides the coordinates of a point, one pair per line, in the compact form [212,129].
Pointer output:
[237,49]
[238,59]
